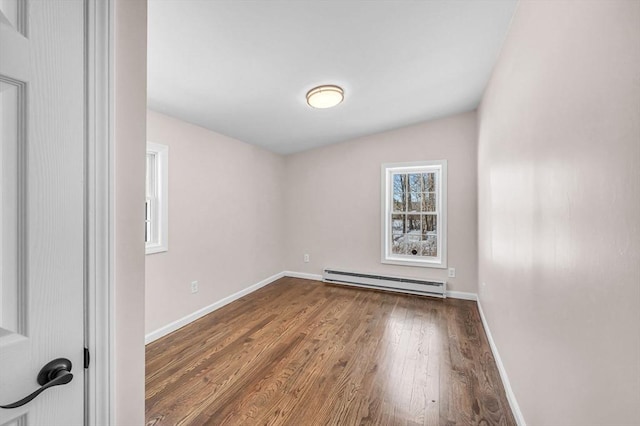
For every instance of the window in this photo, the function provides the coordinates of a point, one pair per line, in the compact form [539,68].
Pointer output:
[156,206]
[414,214]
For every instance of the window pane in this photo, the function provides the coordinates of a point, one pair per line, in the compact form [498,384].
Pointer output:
[429,224]
[429,246]
[414,202]
[397,224]
[147,220]
[429,202]
[398,202]
[429,180]
[398,245]
[414,245]
[415,182]
[399,192]
[413,224]
[151,175]
[399,183]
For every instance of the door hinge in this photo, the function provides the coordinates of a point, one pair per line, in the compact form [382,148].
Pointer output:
[87,358]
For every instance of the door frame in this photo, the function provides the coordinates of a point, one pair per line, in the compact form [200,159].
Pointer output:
[99,336]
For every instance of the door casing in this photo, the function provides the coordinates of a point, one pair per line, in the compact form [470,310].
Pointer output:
[99,212]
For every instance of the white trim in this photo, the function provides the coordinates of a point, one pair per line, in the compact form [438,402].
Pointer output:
[461,295]
[99,293]
[175,325]
[303,275]
[387,169]
[511,397]
[109,353]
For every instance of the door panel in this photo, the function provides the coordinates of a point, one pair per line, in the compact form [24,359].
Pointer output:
[41,205]
[13,13]
[12,285]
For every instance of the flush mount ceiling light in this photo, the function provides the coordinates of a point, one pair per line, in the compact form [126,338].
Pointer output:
[325,96]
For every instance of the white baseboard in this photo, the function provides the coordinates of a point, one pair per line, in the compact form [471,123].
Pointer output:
[511,397]
[170,328]
[461,295]
[316,277]
[303,275]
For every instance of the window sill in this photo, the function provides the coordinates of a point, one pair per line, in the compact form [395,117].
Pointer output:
[416,263]
[153,249]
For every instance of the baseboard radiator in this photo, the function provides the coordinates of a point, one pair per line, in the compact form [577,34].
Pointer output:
[389,283]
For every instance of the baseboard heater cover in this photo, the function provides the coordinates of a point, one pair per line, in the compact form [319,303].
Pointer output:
[432,288]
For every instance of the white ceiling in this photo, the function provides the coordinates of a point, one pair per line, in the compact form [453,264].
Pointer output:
[242,68]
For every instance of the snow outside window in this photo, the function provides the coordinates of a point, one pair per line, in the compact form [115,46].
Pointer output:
[156,204]
[414,209]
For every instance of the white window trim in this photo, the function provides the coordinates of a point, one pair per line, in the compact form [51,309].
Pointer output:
[386,257]
[162,172]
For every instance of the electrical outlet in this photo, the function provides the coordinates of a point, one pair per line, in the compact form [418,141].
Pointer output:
[194,286]
[306,258]
[451,273]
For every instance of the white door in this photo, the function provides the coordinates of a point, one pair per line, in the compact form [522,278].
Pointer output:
[41,208]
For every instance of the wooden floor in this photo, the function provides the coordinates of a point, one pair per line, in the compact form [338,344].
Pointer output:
[300,352]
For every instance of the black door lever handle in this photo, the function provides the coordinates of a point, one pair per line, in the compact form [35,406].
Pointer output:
[55,373]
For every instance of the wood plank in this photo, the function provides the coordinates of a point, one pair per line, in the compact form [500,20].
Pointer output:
[300,352]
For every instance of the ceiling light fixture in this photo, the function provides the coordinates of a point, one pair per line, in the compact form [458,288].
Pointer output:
[325,96]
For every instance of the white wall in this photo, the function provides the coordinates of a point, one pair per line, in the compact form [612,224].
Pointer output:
[332,199]
[225,220]
[559,211]
[130,99]
[239,214]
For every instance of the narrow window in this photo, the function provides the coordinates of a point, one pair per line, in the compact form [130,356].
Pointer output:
[414,209]
[156,203]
